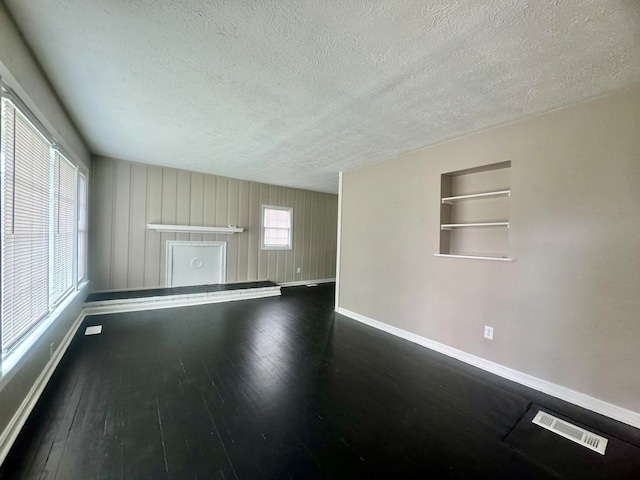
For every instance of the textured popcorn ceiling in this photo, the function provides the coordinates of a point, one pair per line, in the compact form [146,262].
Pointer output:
[292,92]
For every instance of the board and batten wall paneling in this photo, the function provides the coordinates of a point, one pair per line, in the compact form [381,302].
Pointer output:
[127,196]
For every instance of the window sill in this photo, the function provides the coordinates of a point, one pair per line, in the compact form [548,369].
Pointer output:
[13,357]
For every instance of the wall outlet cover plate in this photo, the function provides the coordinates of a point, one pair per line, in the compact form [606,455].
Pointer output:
[488,332]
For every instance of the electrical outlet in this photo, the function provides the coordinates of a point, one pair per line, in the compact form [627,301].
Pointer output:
[298,270]
[488,332]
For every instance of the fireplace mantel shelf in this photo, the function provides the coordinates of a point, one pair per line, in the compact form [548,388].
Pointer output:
[193,229]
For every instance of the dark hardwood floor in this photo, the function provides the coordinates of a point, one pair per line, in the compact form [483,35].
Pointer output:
[282,388]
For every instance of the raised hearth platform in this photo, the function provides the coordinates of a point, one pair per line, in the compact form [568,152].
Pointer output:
[154,298]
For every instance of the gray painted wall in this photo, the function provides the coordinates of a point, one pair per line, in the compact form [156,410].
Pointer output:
[127,196]
[566,310]
[22,72]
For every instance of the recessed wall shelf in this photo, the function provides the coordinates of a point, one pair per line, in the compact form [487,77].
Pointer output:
[498,259]
[498,193]
[193,229]
[449,226]
[472,200]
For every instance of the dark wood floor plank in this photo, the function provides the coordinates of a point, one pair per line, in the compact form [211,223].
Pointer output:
[279,388]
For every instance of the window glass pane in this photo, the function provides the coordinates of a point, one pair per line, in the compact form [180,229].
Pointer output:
[277,218]
[82,227]
[63,227]
[25,195]
[276,236]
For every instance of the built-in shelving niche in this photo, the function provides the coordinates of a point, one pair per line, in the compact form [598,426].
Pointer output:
[474,213]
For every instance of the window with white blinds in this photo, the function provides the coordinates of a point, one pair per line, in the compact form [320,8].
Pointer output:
[276,228]
[38,189]
[82,226]
[26,165]
[64,220]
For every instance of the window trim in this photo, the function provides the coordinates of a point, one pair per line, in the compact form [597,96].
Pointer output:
[289,245]
[79,280]
[55,307]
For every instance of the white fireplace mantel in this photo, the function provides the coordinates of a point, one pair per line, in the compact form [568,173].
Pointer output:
[193,229]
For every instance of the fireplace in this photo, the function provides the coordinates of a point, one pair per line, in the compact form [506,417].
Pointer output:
[196,263]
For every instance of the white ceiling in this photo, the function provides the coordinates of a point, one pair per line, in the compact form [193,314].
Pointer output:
[291,92]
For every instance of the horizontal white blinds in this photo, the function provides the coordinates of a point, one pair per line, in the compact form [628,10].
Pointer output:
[64,190]
[26,167]
[277,226]
[276,236]
[82,227]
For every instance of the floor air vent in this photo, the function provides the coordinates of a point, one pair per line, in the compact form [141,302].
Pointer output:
[571,432]
[93,330]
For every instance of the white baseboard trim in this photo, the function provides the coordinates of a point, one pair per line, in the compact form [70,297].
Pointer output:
[10,433]
[306,282]
[174,301]
[582,400]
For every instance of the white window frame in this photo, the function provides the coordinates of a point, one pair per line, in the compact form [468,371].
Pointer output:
[55,297]
[13,352]
[289,245]
[82,262]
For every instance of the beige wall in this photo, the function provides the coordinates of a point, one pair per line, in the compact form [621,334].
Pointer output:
[22,72]
[568,309]
[127,196]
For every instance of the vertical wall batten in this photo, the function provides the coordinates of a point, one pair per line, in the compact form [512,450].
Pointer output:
[243,219]
[239,213]
[308,227]
[254,219]
[152,242]
[128,255]
[138,234]
[232,240]
[298,233]
[169,201]
[263,263]
[183,201]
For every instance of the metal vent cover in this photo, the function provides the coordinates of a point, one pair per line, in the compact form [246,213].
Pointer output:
[571,432]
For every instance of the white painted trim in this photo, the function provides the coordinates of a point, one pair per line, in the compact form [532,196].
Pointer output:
[193,243]
[585,401]
[497,193]
[338,243]
[306,282]
[10,433]
[193,229]
[173,301]
[449,226]
[474,257]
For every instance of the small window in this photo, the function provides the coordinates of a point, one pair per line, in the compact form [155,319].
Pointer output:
[277,228]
